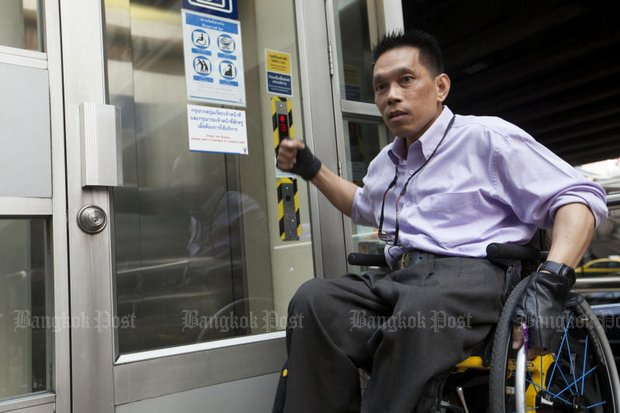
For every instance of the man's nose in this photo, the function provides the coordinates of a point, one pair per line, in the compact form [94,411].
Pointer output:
[393,95]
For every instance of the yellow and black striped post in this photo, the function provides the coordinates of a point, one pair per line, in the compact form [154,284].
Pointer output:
[288,197]
[282,117]
[288,210]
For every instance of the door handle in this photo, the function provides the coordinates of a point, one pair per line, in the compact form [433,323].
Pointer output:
[101,145]
[92,219]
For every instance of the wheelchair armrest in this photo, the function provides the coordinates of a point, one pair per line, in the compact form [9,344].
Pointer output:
[368,260]
[515,252]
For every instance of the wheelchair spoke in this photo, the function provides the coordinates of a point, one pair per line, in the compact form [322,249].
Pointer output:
[595,405]
[585,358]
[559,353]
[555,396]
[570,358]
[568,385]
[582,378]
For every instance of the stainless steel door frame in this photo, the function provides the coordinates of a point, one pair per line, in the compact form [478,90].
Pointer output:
[62,356]
[315,63]
[90,256]
[384,16]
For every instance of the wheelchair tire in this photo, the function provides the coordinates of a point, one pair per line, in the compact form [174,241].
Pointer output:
[579,376]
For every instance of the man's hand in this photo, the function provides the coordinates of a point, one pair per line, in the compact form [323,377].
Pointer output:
[541,305]
[294,156]
[517,342]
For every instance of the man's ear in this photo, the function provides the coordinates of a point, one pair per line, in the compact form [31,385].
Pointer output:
[442,84]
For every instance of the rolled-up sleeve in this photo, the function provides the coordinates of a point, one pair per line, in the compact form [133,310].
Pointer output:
[590,194]
[536,183]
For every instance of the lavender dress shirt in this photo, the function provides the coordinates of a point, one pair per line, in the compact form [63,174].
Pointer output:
[488,181]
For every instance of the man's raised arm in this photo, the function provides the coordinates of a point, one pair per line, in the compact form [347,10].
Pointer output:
[294,156]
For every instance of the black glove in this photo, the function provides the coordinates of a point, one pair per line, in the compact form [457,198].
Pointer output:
[541,306]
[307,165]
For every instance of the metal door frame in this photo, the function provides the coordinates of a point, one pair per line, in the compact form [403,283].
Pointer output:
[59,398]
[384,16]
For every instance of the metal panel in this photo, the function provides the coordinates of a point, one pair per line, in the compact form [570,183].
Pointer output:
[152,378]
[47,408]
[25,206]
[327,222]
[35,403]
[361,109]
[249,395]
[194,348]
[390,15]
[25,159]
[22,57]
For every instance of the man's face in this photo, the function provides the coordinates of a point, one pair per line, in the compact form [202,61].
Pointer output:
[408,96]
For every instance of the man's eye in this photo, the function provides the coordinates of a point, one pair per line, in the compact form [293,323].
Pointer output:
[379,87]
[407,79]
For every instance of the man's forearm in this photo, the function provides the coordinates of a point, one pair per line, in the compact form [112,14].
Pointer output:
[337,190]
[572,232]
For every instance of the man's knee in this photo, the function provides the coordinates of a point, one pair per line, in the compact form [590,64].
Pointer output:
[306,296]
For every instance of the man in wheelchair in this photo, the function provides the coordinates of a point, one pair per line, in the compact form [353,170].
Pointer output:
[439,194]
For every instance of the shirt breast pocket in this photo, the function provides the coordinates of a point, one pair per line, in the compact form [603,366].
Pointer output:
[455,208]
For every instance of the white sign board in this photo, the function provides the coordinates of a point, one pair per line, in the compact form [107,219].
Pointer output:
[213,59]
[217,130]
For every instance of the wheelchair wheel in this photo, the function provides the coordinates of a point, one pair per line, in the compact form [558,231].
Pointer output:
[579,376]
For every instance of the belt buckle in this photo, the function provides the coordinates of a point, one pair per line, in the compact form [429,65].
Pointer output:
[403,261]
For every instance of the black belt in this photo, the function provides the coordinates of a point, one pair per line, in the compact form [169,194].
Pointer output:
[415,256]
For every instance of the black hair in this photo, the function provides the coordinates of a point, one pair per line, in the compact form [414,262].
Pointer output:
[430,51]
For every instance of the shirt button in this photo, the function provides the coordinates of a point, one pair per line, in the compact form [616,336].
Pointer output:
[408,204]
[410,172]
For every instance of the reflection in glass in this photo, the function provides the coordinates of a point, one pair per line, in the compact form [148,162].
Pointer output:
[192,241]
[354,51]
[21,24]
[364,140]
[25,324]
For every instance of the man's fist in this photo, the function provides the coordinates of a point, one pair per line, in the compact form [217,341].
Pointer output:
[294,156]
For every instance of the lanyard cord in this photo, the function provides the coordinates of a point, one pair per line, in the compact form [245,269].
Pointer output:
[386,237]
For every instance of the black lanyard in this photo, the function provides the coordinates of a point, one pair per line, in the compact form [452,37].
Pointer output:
[393,239]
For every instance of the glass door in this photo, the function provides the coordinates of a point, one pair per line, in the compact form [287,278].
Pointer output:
[201,241]
[200,251]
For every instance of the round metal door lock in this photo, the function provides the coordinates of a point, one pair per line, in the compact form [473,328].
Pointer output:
[92,219]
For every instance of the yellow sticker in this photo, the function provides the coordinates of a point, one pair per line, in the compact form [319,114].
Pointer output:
[278,61]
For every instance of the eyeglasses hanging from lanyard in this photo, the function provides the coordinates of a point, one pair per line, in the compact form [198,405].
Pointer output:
[392,239]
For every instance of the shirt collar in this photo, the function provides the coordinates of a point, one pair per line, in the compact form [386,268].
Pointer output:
[427,142]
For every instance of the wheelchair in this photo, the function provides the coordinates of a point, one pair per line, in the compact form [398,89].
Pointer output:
[580,375]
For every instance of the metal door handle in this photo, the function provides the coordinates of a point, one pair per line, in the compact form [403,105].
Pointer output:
[92,219]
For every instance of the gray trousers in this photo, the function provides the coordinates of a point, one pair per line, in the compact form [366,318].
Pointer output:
[404,327]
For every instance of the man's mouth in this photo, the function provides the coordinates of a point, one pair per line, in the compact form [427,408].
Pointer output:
[395,114]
